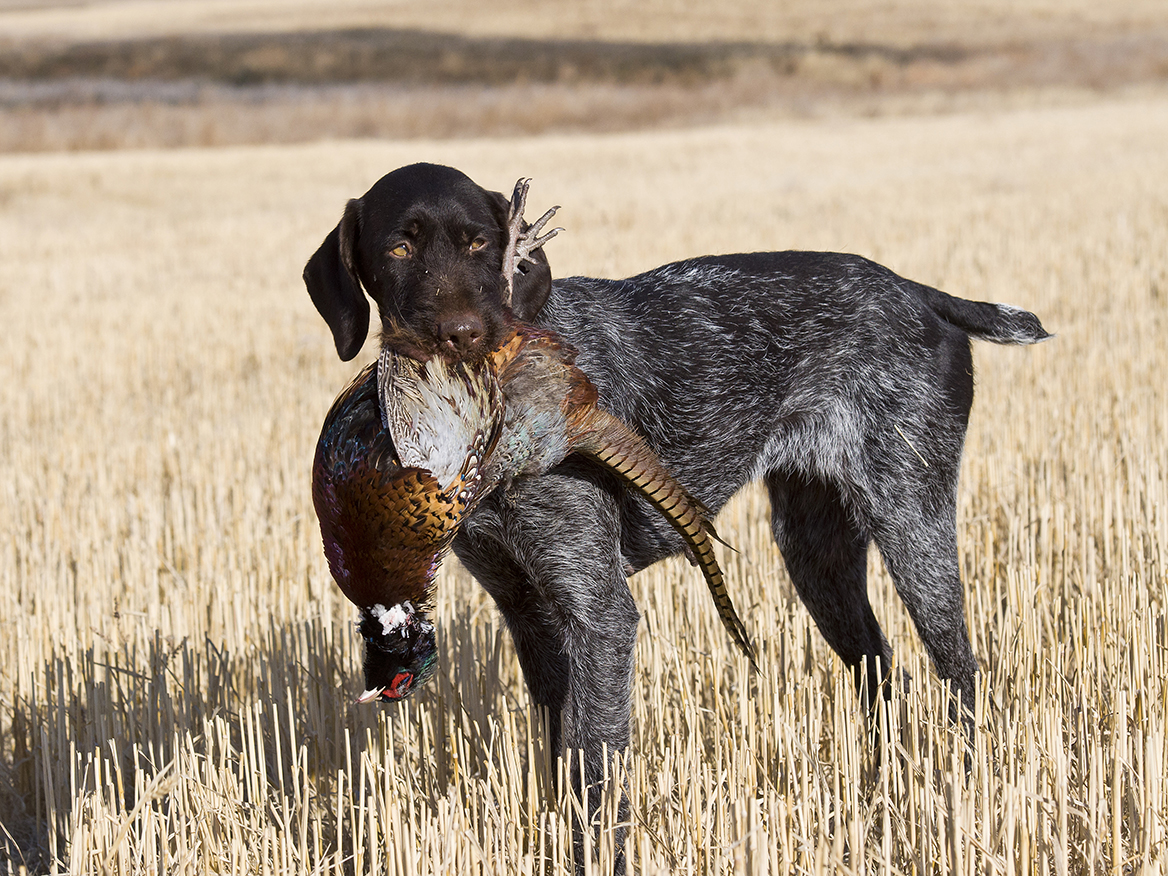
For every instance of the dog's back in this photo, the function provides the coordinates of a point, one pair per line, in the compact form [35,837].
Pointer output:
[734,365]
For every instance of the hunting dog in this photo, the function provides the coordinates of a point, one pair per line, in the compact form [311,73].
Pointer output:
[845,388]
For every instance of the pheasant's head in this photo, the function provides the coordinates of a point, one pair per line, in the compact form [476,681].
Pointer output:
[400,651]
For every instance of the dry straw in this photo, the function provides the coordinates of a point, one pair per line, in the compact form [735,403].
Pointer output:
[177,670]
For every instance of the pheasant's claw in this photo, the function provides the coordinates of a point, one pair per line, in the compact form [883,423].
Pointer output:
[519,199]
[514,233]
[529,243]
[520,243]
[537,226]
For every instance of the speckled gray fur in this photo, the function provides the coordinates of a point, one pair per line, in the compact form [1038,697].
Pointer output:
[833,380]
[843,387]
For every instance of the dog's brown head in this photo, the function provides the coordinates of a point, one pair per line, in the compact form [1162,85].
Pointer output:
[427,245]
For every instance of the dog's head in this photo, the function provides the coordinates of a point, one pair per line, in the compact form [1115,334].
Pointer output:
[427,245]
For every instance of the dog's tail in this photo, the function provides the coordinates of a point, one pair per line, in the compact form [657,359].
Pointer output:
[1000,323]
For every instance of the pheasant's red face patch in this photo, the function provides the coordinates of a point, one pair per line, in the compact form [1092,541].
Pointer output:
[399,687]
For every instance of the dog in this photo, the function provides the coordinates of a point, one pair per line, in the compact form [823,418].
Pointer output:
[843,387]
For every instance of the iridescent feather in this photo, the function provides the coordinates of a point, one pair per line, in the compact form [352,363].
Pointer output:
[550,410]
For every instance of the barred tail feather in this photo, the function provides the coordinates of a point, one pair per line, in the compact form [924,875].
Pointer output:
[612,443]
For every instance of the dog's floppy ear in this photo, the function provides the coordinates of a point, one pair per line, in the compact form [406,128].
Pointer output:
[533,282]
[333,285]
[533,285]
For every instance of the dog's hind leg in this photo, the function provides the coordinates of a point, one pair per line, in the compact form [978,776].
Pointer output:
[825,551]
[919,546]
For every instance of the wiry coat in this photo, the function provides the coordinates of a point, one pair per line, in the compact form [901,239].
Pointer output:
[843,387]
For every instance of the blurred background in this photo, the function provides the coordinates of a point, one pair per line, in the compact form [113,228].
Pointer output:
[107,74]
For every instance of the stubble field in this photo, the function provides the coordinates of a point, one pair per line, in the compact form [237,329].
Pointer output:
[177,669]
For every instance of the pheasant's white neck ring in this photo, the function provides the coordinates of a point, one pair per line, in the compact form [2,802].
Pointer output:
[393,618]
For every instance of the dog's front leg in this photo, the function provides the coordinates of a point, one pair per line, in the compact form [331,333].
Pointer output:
[548,550]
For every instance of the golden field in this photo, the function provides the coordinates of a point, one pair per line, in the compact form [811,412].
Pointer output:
[177,669]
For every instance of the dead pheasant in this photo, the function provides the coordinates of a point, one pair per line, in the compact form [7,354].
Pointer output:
[409,448]
[385,525]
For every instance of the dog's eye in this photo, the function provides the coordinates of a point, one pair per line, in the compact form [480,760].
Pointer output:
[402,251]
[477,244]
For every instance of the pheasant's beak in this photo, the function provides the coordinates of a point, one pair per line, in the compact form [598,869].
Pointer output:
[369,695]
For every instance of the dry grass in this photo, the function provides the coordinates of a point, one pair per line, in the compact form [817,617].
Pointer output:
[177,669]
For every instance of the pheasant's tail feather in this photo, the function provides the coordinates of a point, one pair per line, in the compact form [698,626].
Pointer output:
[610,441]
[708,522]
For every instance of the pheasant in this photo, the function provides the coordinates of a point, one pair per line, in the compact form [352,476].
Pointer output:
[385,525]
[409,448]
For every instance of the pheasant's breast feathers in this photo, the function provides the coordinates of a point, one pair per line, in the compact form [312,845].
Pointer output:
[384,524]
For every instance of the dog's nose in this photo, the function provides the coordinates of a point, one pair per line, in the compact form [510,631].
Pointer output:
[463,333]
